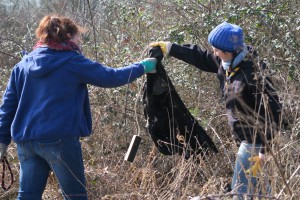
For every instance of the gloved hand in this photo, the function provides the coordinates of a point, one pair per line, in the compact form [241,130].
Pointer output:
[149,65]
[165,46]
[259,160]
[3,148]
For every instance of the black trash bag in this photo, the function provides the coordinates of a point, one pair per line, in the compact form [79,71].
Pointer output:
[170,124]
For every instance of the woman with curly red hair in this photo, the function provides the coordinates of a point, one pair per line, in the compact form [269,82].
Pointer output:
[46,108]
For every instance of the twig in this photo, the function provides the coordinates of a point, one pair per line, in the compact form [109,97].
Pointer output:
[288,181]
[15,57]
[214,197]
[94,30]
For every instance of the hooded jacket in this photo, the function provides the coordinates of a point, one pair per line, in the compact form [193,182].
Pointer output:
[243,94]
[47,95]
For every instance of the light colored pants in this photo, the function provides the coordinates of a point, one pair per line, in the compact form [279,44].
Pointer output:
[243,183]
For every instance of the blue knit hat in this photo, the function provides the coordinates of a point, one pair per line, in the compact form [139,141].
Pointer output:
[227,37]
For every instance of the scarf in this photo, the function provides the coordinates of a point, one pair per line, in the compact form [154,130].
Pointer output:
[63,46]
[237,59]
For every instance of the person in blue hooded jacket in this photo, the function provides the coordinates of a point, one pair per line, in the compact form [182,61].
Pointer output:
[252,104]
[45,107]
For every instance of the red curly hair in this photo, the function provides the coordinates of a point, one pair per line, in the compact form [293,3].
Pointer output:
[57,28]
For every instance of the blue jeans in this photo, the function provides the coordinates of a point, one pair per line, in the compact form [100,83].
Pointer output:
[62,156]
[242,183]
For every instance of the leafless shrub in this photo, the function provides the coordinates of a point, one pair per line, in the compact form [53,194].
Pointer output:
[119,32]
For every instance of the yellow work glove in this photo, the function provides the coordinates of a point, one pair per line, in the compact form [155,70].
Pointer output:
[165,46]
[256,167]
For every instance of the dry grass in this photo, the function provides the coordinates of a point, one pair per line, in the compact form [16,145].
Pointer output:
[154,176]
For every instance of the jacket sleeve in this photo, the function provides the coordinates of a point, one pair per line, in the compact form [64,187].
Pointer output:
[274,104]
[271,110]
[94,73]
[7,110]
[273,107]
[203,59]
